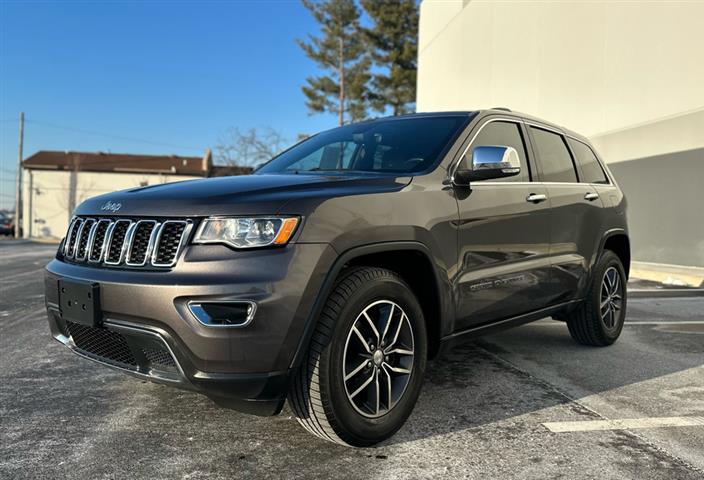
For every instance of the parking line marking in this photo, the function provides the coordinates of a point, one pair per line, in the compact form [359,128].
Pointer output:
[675,322]
[624,424]
[654,322]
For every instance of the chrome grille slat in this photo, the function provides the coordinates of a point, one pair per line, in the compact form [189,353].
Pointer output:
[137,255]
[171,231]
[100,234]
[83,239]
[125,242]
[72,237]
[117,244]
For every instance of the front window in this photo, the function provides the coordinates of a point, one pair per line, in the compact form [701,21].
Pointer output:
[401,146]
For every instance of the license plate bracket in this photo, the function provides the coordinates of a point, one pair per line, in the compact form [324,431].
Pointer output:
[80,302]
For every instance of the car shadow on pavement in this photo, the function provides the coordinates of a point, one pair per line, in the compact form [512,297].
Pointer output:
[486,382]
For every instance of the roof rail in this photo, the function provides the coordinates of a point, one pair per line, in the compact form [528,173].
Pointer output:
[502,108]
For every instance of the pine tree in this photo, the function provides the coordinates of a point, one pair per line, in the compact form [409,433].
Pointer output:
[340,50]
[393,39]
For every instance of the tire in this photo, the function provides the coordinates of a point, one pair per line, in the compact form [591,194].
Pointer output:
[591,324]
[334,408]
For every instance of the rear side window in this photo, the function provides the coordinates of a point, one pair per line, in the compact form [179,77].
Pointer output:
[555,158]
[505,134]
[591,168]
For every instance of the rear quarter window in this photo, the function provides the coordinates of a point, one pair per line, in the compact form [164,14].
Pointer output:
[592,172]
[555,158]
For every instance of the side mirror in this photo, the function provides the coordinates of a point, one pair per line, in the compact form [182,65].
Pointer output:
[489,162]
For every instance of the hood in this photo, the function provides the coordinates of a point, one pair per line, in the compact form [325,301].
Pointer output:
[240,195]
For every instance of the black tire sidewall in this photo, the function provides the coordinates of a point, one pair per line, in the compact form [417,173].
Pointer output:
[359,430]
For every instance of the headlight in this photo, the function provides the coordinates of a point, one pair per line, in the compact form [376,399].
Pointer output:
[241,232]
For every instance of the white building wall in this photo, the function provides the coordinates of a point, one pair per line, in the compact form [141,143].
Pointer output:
[47,204]
[593,67]
[630,75]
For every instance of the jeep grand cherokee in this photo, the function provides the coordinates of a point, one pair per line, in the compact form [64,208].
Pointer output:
[330,275]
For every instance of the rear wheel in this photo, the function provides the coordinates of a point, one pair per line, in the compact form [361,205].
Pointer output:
[599,320]
[362,375]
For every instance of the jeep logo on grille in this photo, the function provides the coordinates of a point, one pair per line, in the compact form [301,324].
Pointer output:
[111,206]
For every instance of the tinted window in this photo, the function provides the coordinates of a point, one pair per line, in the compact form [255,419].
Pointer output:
[591,169]
[505,134]
[555,159]
[400,146]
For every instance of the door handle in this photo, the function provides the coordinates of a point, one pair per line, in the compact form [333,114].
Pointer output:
[591,196]
[536,198]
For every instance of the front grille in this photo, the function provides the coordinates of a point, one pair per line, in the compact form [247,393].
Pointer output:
[107,345]
[125,242]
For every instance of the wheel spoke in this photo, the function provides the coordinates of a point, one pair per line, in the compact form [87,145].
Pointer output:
[363,386]
[400,351]
[378,391]
[617,283]
[388,323]
[388,388]
[398,330]
[611,280]
[397,369]
[362,339]
[356,370]
[371,324]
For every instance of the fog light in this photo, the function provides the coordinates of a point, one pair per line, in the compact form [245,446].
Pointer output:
[224,314]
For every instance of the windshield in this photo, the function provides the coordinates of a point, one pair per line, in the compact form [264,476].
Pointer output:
[394,145]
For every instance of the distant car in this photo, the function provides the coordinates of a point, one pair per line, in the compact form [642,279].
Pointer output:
[334,272]
[7,226]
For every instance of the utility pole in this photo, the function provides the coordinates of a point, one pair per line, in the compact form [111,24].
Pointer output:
[18,193]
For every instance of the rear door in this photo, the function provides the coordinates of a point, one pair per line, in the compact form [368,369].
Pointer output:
[503,235]
[575,206]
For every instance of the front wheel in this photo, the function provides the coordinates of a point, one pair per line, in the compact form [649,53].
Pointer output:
[363,372]
[599,320]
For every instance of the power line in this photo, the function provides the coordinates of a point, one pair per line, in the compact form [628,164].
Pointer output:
[110,135]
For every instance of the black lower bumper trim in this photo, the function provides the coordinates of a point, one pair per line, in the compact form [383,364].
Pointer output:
[261,394]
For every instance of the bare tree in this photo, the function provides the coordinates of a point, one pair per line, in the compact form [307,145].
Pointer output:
[249,148]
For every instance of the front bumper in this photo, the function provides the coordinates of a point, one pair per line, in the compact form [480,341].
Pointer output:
[148,331]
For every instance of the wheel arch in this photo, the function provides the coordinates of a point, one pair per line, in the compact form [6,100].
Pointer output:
[393,256]
[618,242]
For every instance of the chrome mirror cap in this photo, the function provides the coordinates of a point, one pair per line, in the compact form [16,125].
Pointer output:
[491,161]
[500,159]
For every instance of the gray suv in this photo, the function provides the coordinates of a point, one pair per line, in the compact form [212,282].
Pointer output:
[333,273]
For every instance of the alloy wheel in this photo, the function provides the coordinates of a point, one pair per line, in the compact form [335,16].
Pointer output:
[611,299]
[378,358]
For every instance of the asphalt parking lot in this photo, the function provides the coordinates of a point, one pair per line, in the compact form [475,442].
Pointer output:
[491,409]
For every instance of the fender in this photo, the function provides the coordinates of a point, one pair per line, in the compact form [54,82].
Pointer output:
[335,270]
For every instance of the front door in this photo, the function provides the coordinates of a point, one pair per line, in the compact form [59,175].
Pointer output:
[503,237]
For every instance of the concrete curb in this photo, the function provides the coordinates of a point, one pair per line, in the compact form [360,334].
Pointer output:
[678,275]
[666,293]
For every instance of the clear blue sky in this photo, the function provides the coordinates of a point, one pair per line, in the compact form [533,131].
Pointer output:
[177,74]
